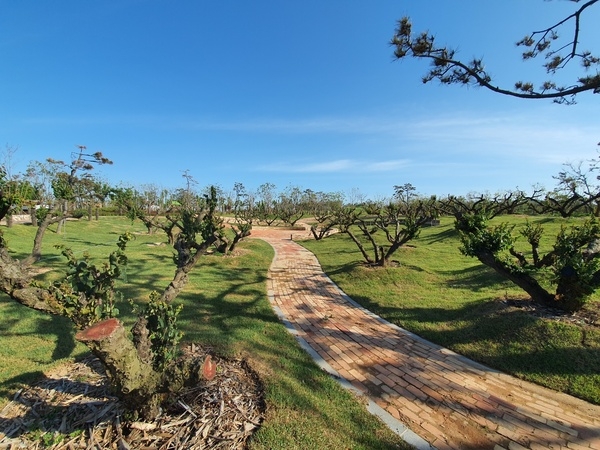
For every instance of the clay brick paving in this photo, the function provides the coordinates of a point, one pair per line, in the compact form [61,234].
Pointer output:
[448,400]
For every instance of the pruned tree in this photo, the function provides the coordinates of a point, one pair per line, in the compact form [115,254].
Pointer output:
[141,365]
[572,266]
[289,206]
[577,191]
[65,186]
[100,194]
[447,68]
[397,222]
[265,204]
[244,213]
[322,207]
[196,218]
[484,205]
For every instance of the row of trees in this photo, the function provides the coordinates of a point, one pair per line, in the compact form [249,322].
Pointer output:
[141,361]
[564,277]
[54,183]
[377,227]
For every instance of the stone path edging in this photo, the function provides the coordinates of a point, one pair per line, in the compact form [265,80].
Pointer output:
[392,423]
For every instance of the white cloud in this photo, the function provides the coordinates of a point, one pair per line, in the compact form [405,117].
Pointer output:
[343,125]
[545,138]
[544,135]
[387,166]
[336,166]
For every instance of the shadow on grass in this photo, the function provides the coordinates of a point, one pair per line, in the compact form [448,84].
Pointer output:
[450,233]
[76,239]
[347,268]
[310,400]
[65,340]
[475,278]
[56,332]
[521,343]
[61,418]
[411,267]
[140,277]
[225,315]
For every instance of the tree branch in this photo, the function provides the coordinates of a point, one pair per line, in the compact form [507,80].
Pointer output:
[450,70]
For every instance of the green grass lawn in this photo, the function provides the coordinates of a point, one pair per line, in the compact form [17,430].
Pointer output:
[454,301]
[225,306]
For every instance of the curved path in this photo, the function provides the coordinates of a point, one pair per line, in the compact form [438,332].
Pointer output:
[447,400]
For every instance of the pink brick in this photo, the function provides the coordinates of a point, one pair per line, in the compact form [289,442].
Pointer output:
[433,430]
[441,444]
[417,392]
[408,414]
[414,406]
[413,381]
[516,446]
[574,446]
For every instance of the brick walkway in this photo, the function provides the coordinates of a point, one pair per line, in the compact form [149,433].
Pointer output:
[448,400]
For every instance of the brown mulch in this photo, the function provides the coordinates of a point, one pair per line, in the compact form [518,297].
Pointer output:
[587,316]
[73,408]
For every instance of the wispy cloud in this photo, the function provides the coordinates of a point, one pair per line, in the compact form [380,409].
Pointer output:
[344,125]
[308,125]
[387,166]
[336,166]
[341,165]
[549,136]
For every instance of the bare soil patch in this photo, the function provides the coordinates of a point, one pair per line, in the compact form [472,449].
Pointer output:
[587,316]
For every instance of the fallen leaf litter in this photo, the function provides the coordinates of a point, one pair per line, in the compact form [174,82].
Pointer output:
[73,408]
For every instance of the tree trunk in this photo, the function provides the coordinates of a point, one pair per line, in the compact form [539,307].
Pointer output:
[360,247]
[62,223]
[318,236]
[16,283]
[523,280]
[381,257]
[571,291]
[135,381]
[36,251]
[386,256]
[321,231]
[376,248]
[181,274]
[241,232]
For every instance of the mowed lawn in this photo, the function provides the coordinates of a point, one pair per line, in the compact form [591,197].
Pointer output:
[454,301]
[225,306]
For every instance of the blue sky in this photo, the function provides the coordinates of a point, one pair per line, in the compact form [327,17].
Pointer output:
[292,93]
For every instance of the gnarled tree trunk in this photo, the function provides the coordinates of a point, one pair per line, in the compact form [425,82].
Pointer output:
[521,279]
[36,251]
[137,383]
